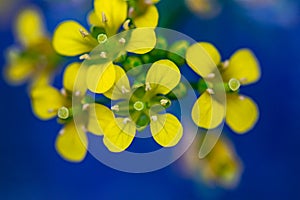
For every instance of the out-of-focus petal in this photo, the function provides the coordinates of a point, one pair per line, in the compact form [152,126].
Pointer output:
[147,19]
[19,71]
[222,165]
[30,27]
[42,79]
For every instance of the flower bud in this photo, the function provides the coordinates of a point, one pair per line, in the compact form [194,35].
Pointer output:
[177,52]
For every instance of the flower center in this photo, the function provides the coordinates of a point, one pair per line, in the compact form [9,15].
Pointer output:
[63,113]
[234,84]
[138,105]
[102,38]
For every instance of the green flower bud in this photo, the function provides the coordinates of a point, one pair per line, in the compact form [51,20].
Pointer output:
[177,52]
[146,58]
[178,92]
[121,58]
[202,86]
[160,49]
[132,64]
[142,121]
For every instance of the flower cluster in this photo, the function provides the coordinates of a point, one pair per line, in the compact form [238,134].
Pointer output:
[120,39]
[33,59]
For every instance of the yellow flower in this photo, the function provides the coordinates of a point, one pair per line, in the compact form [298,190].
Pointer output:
[109,15]
[101,71]
[113,14]
[48,102]
[221,166]
[139,107]
[204,8]
[72,39]
[35,60]
[241,69]
[144,13]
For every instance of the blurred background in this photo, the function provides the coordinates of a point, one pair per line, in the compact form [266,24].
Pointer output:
[30,168]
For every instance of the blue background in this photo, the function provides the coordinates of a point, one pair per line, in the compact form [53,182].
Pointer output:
[31,169]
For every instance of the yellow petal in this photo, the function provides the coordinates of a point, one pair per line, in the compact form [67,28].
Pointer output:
[118,134]
[29,27]
[70,75]
[243,66]
[207,112]
[121,84]
[242,113]
[71,143]
[69,41]
[155,1]
[166,130]
[101,78]
[19,71]
[115,12]
[94,20]
[45,101]
[147,19]
[43,78]
[99,117]
[163,77]
[200,60]
[212,52]
[142,40]
[222,164]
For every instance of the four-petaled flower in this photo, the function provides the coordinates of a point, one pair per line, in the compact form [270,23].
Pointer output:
[48,102]
[36,60]
[241,69]
[140,106]
[222,166]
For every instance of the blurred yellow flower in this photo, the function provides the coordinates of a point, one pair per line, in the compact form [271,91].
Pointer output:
[35,60]
[139,107]
[221,166]
[241,69]
[48,102]
[204,8]
[143,13]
